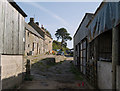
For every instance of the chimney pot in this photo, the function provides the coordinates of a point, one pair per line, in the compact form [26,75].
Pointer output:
[37,23]
[31,19]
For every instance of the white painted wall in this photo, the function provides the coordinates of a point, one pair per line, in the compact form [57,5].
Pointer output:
[118,77]
[11,70]
[104,75]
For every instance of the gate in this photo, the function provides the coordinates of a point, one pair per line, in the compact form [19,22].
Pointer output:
[91,64]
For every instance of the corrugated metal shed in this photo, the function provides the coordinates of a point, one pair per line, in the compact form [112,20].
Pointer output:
[82,30]
[106,17]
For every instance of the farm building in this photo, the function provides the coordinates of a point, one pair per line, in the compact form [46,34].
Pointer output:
[12,29]
[103,42]
[80,43]
[33,41]
[47,43]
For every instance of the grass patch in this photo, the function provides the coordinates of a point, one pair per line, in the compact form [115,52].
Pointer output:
[40,64]
[28,78]
[45,63]
[49,61]
[60,62]
[76,72]
[59,72]
[35,60]
[35,56]
[52,64]
[15,87]
[47,66]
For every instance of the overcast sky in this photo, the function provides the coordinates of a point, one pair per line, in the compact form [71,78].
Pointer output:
[55,15]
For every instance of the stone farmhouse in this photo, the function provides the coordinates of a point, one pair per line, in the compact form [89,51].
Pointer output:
[34,41]
[38,41]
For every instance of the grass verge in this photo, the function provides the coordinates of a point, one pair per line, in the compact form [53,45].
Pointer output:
[28,78]
[76,72]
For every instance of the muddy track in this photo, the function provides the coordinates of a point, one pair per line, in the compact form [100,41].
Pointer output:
[53,76]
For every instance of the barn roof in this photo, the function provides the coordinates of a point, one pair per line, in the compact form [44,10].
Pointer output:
[105,18]
[14,4]
[90,14]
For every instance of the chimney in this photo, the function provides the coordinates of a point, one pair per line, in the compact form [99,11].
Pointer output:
[42,27]
[31,19]
[37,23]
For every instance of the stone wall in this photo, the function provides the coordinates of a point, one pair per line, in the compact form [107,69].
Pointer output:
[11,70]
[48,44]
[38,44]
[59,58]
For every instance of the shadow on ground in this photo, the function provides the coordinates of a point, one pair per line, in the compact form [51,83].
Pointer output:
[47,74]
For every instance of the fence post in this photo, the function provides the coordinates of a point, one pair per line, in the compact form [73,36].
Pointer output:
[28,67]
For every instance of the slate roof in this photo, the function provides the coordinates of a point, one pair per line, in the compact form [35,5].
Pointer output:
[90,15]
[32,30]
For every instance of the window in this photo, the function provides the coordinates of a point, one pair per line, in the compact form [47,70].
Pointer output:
[33,47]
[28,34]
[105,46]
[28,45]
[83,55]
[37,48]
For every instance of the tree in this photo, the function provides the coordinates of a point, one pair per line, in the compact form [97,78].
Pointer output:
[63,35]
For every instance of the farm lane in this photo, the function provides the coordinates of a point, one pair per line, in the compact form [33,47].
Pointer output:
[48,74]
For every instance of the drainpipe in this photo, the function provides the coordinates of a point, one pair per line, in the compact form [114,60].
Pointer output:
[115,54]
